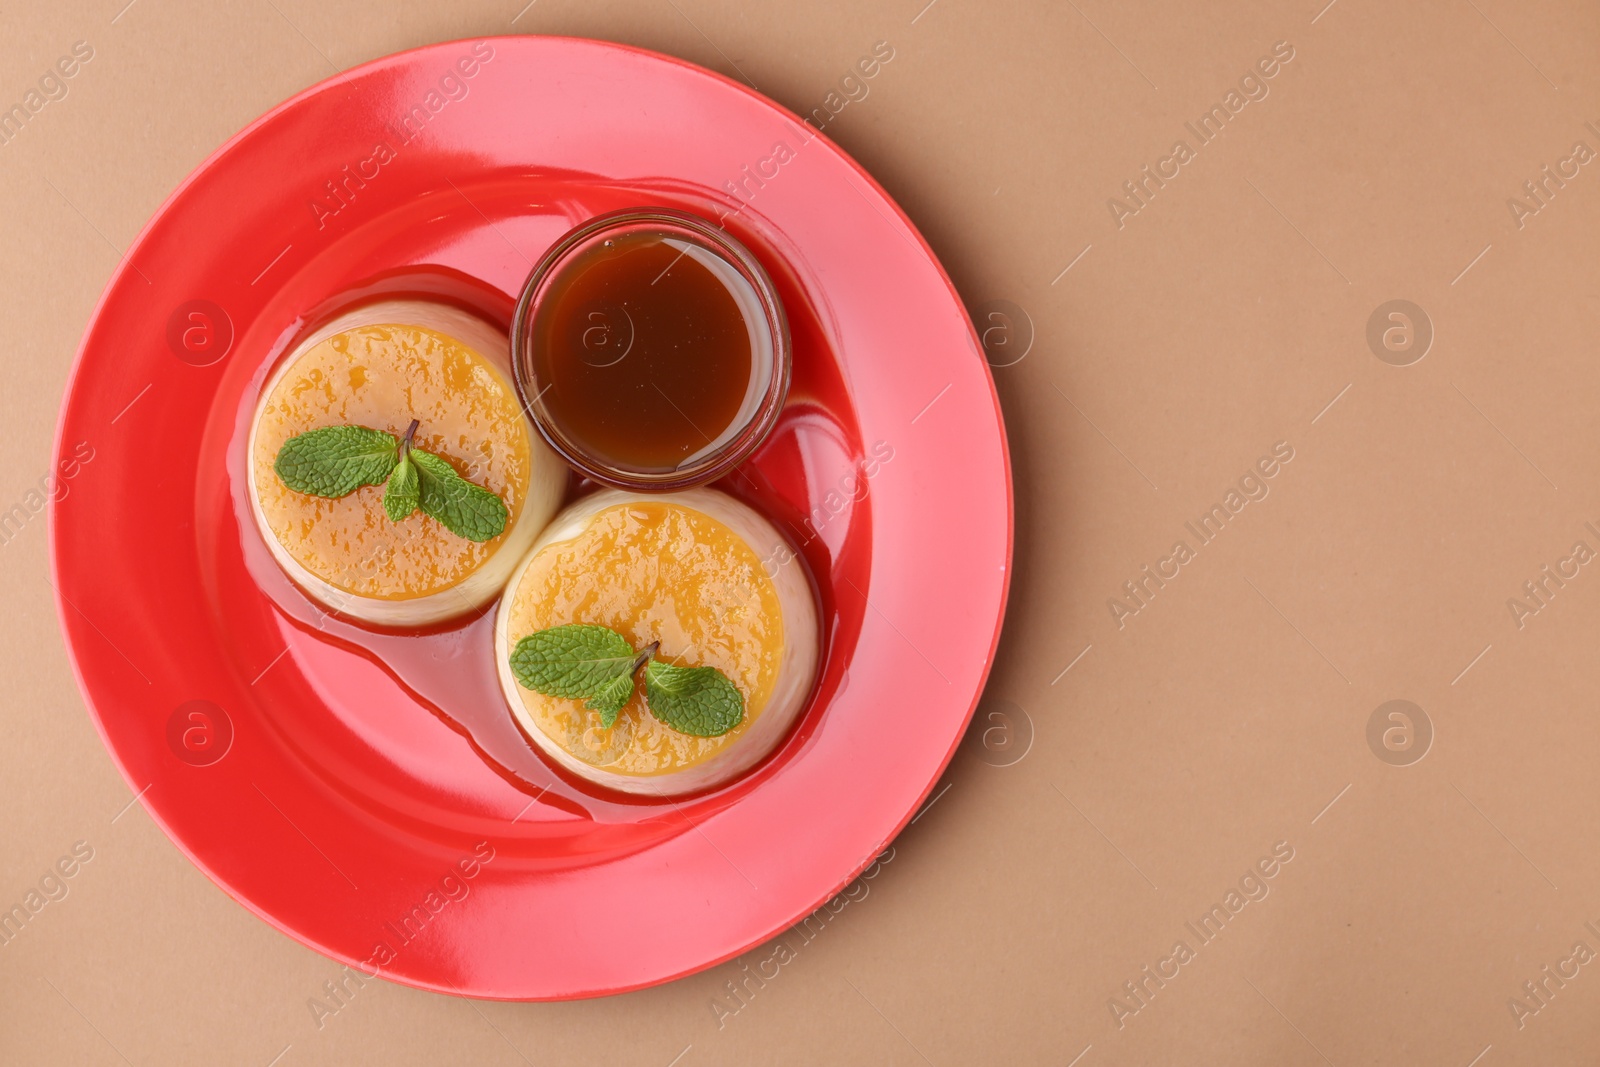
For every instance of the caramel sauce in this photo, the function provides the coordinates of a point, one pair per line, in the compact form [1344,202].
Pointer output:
[383,377]
[647,349]
[654,572]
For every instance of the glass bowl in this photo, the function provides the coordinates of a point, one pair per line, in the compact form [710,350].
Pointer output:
[762,311]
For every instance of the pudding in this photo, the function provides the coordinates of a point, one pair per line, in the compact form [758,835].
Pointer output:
[409,375]
[689,579]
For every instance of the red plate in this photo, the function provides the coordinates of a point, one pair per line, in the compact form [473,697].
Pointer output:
[369,794]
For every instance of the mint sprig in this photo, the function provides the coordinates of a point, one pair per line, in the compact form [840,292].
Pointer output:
[335,461]
[597,665]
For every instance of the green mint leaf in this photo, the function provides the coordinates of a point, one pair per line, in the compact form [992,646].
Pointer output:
[609,699]
[336,460]
[467,510]
[692,700]
[577,662]
[401,495]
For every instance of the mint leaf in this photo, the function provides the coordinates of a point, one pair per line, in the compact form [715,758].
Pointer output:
[577,661]
[609,699]
[467,510]
[692,700]
[336,460]
[400,496]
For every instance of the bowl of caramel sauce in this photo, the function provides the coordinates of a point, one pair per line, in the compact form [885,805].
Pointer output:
[651,350]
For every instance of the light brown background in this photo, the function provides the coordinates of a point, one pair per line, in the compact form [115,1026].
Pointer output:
[1176,751]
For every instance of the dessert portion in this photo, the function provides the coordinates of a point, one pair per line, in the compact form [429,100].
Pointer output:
[650,643]
[392,471]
